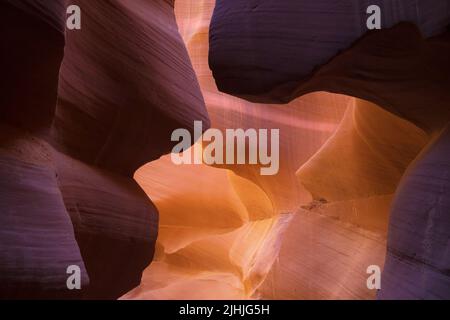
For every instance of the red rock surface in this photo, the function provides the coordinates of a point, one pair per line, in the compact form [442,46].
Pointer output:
[86,117]
[37,237]
[402,69]
[126,83]
[81,110]
[343,175]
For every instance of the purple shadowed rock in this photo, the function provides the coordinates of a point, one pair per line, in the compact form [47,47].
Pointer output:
[274,51]
[80,111]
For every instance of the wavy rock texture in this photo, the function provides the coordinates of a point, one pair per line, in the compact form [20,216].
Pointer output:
[202,229]
[396,68]
[343,217]
[352,178]
[258,46]
[37,238]
[216,240]
[322,257]
[88,108]
[115,225]
[355,174]
[146,67]
[417,263]
[123,82]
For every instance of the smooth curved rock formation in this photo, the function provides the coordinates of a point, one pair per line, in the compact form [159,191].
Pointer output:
[201,245]
[417,262]
[264,50]
[86,117]
[37,238]
[303,132]
[216,241]
[322,258]
[80,111]
[306,124]
[147,86]
[359,168]
[367,156]
[313,48]
[115,225]
[399,56]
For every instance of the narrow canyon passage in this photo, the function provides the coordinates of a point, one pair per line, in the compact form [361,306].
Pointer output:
[224,149]
[311,231]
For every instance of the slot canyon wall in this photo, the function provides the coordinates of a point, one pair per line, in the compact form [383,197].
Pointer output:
[342,159]
[86,118]
[276,51]
[80,112]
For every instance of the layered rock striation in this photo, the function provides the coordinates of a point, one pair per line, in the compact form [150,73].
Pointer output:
[341,160]
[276,51]
[86,118]
[80,111]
